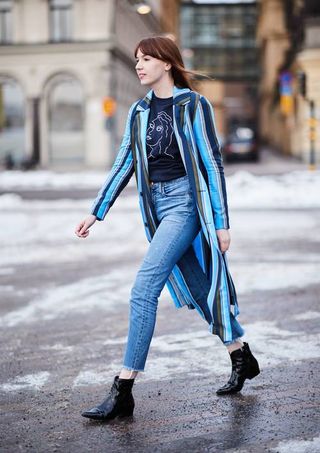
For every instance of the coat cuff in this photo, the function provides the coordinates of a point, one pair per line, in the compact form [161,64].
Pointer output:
[96,214]
[221,224]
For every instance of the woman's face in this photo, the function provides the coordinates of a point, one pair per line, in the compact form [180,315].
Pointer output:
[150,70]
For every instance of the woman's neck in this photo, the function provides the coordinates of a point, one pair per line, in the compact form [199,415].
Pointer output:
[164,89]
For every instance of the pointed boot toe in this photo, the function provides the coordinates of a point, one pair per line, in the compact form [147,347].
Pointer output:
[119,402]
[93,413]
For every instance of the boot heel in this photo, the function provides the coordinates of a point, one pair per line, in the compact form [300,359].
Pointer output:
[126,413]
[253,372]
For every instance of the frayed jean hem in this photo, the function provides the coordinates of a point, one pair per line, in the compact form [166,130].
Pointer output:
[227,343]
[132,369]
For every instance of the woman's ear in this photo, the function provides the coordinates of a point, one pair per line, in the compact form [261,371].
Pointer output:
[167,66]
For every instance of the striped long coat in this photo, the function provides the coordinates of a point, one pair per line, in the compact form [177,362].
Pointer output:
[200,152]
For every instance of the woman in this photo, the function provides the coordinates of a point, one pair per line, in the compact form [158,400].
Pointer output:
[170,144]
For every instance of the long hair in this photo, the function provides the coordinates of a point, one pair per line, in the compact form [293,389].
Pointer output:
[165,49]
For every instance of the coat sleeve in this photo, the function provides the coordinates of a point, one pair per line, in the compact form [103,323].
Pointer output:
[119,175]
[209,148]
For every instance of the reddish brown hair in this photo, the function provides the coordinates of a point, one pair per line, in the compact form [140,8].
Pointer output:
[165,49]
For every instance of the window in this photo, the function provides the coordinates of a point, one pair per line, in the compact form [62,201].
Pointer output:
[220,38]
[12,118]
[65,103]
[60,20]
[5,21]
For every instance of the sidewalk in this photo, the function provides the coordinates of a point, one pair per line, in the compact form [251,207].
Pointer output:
[270,163]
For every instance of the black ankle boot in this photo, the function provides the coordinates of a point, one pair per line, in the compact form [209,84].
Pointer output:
[244,366]
[119,403]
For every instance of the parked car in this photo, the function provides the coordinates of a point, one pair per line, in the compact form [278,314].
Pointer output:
[241,144]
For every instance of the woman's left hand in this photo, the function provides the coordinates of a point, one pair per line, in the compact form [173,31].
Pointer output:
[223,239]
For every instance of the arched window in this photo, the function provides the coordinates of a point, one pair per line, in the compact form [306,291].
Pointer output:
[65,119]
[12,119]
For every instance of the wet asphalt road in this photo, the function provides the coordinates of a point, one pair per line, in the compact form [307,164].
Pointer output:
[63,327]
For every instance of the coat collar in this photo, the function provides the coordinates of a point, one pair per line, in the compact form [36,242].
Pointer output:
[181,96]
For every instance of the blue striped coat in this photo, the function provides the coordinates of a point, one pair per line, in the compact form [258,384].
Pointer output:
[200,152]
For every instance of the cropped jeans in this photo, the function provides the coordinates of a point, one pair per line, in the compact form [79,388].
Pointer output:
[171,244]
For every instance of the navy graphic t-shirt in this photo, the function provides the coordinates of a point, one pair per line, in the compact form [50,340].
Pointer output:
[164,159]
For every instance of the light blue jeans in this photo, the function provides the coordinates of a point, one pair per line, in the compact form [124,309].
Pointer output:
[171,244]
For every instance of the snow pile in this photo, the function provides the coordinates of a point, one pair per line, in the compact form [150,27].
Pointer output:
[11,201]
[45,179]
[297,189]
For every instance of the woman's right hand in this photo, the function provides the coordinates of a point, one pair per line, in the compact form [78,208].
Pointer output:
[82,230]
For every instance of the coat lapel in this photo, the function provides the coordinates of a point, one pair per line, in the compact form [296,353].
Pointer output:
[143,122]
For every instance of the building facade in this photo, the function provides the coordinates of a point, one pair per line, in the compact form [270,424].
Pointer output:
[289,40]
[65,66]
[217,38]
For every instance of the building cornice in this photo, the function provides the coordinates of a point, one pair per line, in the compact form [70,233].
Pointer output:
[61,47]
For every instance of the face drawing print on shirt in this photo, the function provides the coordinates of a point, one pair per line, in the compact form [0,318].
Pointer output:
[160,131]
